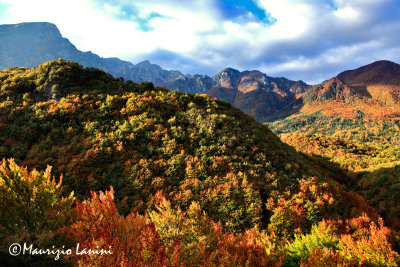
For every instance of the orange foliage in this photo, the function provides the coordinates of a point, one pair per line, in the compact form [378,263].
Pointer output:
[369,245]
[132,241]
[324,257]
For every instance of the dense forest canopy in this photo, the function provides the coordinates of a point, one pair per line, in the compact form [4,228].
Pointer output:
[193,180]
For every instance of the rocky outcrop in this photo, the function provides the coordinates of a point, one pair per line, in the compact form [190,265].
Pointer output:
[256,93]
[196,84]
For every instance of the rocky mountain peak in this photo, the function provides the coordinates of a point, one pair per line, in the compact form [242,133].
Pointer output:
[145,63]
[30,28]
[228,77]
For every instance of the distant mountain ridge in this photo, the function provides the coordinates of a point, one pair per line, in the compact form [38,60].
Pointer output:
[361,105]
[31,44]
[381,72]
[263,97]
[378,81]
[256,93]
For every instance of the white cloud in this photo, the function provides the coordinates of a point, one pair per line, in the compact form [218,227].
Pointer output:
[347,13]
[293,18]
[308,37]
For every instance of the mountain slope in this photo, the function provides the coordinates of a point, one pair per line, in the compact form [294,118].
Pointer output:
[34,43]
[371,83]
[98,131]
[382,72]
[199,181]
[375,168]
[361,104]
[256,93]
[31,44]
[380,80]
[333,89]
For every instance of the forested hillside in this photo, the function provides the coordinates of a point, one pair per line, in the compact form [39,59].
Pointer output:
[190,180]
[374,168]
[361,105]
[353,120]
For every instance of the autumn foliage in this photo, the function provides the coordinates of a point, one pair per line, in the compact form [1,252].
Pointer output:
[132,240]
[194,181]
[32,207]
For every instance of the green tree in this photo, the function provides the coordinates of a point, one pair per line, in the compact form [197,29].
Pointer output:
[32,207]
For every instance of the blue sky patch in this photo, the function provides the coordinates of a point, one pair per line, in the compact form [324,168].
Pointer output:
[232,9]
[145,22]
[130,13]
[3,8]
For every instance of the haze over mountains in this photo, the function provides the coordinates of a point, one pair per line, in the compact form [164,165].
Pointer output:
[263,97]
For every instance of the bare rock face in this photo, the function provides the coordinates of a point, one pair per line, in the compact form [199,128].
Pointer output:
[30,44]
[332,89]
[256,93]
[228,78]
[199,84]
[145,71]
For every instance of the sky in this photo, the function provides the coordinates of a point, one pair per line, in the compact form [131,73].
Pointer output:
[309,40]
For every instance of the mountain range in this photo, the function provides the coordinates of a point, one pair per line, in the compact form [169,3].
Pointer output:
[31,44]
[265,98]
